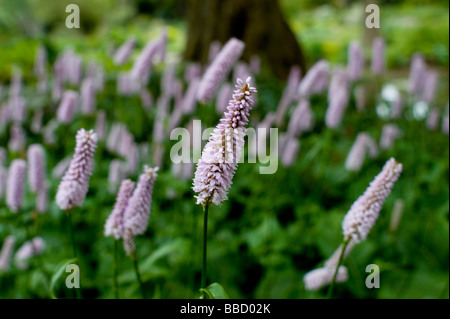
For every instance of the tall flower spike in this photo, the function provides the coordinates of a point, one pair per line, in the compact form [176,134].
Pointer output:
[218,163]
[16,184]
[430,86]
[378,58]
[289,94]
[17,138]
[222,98]
[75,182]
[123,53]
[219,69]
[3,180]
[42,199]
[36,167]
[67,107]
[88,100]
[389,133]
[364,212]
[302,119]
[137,213]
[114,223]
[416,75]
[321,277]
[355,61]
[100,124]
[316,80]
[28,250]
[290,152]
[143,64]
[189,98]
[338,97]
[6,253]
[3,156]
[116,174]
[363,144]
[433,119]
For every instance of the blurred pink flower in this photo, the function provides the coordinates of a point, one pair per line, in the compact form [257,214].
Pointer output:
[219,69]
[75,183]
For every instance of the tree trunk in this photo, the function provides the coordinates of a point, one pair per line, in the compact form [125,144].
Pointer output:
[259,23]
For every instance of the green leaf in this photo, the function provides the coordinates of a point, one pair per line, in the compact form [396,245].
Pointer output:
[214,291]
[58,273]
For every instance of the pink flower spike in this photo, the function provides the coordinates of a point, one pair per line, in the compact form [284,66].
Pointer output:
[137,212]
[67,107]
[16,185]
[219,159]
[75,183]
[36,167]
[115,223]
[219,69]
[365,210]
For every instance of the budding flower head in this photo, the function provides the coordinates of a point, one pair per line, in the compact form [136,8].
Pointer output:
[28,250]
[137,212]
[36,167]
[114,223]
[67,107]
[87,97]
[363,144]
[417,73]
[364,212]
[75,182]
[6,253]
[16,184]
[316,80]
[389,133]
[302,119]
[355,61]
[123,53]
[321,277]
[218,163]
[143,64]
[338,97]
[219,69]
[378,56]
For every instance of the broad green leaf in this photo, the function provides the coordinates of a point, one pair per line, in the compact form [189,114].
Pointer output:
[214,291]
[58,273]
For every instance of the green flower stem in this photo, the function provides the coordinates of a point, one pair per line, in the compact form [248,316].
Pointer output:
[341,259]
[116,270]
[205,244]
[72,233]
[138,273]
[74,249]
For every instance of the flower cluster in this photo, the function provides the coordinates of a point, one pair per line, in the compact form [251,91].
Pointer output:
[364,212]
[218,163]
[219,69]
[75,183]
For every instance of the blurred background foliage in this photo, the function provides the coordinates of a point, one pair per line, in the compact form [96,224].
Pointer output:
[274,228]
[324,28]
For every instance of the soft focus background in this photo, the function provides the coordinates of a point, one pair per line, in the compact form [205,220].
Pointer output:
[274,228]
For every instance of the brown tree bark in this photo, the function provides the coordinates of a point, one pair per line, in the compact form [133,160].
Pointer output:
[259,23]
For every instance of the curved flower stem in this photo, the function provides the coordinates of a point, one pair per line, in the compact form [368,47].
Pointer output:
[116,270]
[72,233]
[205,244]
[74,249]
[341,259]
[138,273]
